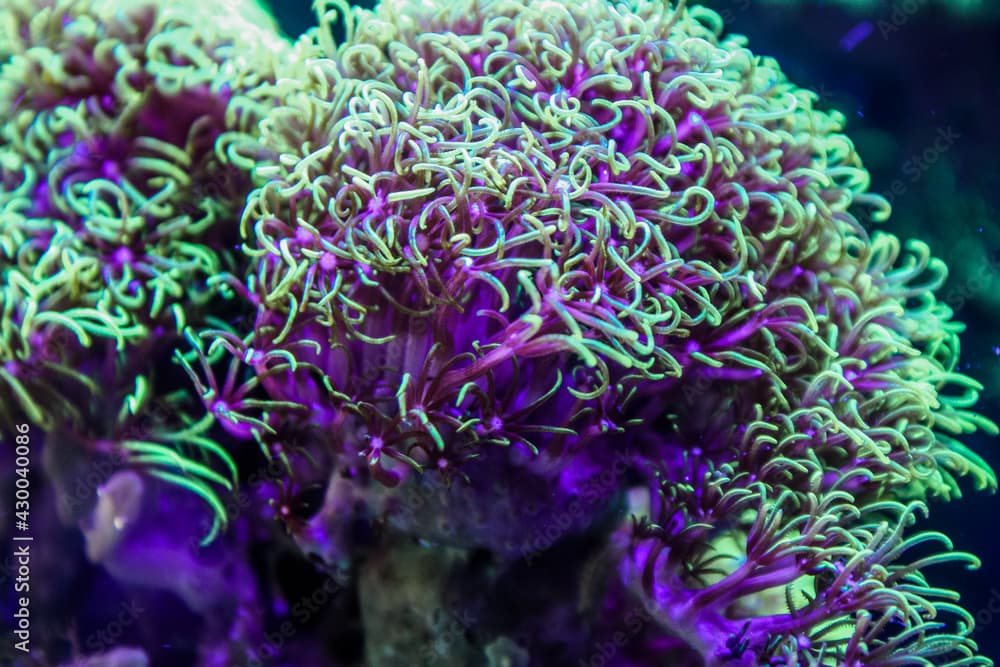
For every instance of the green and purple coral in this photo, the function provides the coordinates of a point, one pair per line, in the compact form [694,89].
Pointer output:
[482,268]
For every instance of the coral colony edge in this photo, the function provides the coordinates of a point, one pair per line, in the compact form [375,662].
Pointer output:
[547,332]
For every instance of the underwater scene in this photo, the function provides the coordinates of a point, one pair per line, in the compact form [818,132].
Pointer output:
[499,333]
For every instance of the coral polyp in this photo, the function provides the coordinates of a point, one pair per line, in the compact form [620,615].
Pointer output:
[498,274]
[115,212]
[575,230]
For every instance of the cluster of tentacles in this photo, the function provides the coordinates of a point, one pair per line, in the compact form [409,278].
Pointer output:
[570,229]
[117,215]
[500,244]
